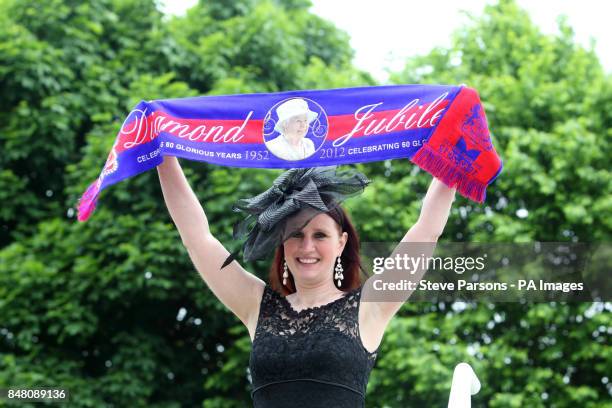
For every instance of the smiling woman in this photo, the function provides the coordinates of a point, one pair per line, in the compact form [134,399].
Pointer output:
[314,248]
[328,242]
[311,332]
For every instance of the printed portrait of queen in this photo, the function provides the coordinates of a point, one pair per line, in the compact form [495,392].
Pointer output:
[294,119]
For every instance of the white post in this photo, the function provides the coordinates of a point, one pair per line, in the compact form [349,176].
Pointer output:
[465,384]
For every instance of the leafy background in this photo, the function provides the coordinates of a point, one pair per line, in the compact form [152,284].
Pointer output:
[113,310]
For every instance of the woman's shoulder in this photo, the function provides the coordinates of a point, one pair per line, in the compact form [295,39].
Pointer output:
[279,147]
[308,142]
[276,142]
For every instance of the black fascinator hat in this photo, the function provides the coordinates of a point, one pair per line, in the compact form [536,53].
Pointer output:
[296,196]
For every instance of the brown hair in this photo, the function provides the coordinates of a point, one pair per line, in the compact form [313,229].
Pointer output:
[350,258]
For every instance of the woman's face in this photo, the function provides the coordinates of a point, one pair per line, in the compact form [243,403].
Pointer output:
[311,252]
[296,127]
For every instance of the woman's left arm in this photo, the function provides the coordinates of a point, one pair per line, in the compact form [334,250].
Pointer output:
[423,236]
[434,214]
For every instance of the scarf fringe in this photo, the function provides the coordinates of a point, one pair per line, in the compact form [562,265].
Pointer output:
[431,161]
[87,203]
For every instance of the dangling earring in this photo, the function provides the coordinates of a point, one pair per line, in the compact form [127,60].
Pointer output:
[338,276]
[285,273]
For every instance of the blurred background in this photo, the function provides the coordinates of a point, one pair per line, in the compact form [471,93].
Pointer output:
[113,310]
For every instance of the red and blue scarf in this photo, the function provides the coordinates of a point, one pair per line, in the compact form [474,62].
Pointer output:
[442,129]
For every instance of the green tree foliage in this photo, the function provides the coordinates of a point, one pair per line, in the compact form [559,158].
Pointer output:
[113,310]
[548,105]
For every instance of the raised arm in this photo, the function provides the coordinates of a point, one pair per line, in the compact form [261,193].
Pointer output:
[420,240]
[237,289]
[434,214]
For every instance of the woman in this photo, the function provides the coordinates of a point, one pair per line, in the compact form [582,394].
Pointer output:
[318,340]
[294,118]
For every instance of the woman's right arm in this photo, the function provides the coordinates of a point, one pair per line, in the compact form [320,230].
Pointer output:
[237,289]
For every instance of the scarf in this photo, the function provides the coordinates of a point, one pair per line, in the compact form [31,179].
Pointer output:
[440,128]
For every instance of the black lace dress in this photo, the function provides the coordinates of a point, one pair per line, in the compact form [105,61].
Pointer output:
[311,358]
